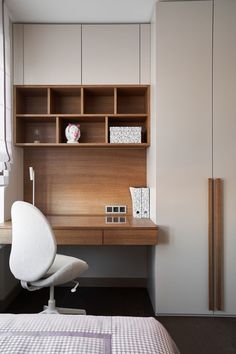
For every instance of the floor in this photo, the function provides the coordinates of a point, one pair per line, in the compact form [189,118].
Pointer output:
[193,335]
[96,301]
[202,335]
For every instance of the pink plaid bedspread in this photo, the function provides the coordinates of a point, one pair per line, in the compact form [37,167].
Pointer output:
[69,334]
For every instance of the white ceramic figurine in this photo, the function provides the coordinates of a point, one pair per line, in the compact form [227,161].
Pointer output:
[72,133]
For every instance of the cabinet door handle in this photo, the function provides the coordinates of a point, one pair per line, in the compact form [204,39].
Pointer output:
[210,245]
[218,242]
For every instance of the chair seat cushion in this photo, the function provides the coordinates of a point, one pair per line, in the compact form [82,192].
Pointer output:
[64,269]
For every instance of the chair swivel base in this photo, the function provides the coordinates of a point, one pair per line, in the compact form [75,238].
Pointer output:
[52,309]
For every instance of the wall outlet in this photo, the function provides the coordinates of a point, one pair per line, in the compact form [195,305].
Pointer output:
[115,209]
[115,219]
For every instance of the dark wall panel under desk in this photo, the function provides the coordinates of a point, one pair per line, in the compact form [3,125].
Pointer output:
[71,181]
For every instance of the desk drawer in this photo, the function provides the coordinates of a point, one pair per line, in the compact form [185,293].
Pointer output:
[130,237]
[78,237]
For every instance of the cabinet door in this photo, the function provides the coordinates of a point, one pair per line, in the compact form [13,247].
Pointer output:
[184,66]
[224,140]
[145,53]
[52,54]
[110,54]
[18,57]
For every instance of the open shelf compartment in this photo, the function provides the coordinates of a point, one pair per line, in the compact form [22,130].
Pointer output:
[30,130]
[65,100]
[98,100]
[31,100]
[42,113]
[92,129]
[129,122]
[132,100]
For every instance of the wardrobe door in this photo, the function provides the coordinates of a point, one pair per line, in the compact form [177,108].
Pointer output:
[224,142]
[184,125]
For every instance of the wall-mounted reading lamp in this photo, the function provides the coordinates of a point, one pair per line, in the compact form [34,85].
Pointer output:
[32,178]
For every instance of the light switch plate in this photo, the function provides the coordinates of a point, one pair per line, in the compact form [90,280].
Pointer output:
[115,209]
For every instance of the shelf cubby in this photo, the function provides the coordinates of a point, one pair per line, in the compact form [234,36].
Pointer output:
[47,110]
[28,129]
[98,100]
[92,129]
[132,100]
[127,121]
[65,100]
[31,100]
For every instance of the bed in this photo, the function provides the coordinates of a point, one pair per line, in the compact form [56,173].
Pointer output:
[70,334]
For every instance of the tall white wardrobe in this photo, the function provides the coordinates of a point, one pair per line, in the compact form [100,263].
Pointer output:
[194,265]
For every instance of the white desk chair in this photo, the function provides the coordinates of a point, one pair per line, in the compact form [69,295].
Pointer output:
[33,258]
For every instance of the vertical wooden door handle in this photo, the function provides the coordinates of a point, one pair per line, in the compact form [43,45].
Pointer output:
[210,245]
[218,242]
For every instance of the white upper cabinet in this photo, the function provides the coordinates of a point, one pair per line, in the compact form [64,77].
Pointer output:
[52,54]
[110,54]
[81,54]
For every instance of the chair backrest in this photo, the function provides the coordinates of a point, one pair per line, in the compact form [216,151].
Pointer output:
[33,242]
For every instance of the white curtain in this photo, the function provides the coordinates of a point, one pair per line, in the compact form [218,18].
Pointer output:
[5,94]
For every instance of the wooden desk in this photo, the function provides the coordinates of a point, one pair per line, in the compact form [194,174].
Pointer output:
[95,230]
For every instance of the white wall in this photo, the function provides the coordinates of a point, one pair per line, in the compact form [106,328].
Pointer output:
[152,160]
[111,261]
[14,190]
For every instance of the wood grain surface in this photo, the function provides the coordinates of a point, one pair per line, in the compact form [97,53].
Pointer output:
[82,182]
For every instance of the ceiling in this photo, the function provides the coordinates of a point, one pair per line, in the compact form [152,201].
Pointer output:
[81,11]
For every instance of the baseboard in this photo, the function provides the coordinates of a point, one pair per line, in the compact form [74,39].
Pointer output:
[113,282]
[194,315]
[10,297]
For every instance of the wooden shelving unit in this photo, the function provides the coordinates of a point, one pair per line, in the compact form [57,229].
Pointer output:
[45,111]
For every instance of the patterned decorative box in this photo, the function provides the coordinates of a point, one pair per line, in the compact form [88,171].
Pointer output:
[140,202]
[125,135]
